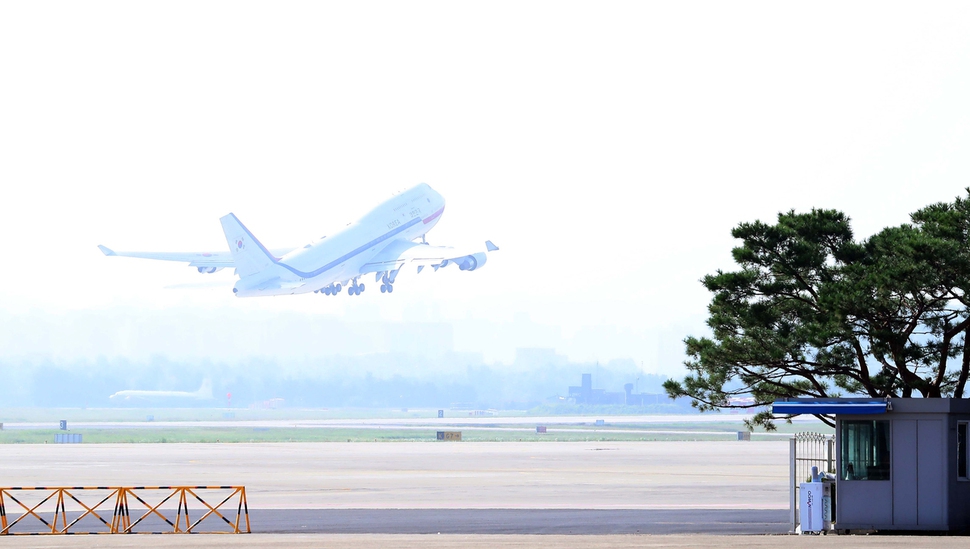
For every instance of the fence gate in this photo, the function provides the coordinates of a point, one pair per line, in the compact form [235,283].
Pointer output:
[807,450]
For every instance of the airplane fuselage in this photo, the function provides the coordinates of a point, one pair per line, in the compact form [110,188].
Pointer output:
[339,257]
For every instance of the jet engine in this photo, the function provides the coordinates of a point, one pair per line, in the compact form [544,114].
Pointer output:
[208,270]
[472,262]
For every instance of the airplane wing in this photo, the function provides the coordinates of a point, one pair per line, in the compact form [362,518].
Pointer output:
[204,261]
[400,253]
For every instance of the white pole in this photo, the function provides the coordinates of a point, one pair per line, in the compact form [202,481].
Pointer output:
[830,449]
[792,501]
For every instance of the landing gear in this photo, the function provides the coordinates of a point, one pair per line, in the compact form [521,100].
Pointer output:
[332,289]
[387,282]
[355,288]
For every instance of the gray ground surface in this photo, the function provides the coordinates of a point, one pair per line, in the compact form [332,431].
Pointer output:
[522,521]
[474,493]
[350,541]
[430,475]
[467,521]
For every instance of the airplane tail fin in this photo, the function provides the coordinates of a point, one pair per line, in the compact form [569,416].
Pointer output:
[205,390]
[248,255]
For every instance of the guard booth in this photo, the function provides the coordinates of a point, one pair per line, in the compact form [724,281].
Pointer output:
[901,463]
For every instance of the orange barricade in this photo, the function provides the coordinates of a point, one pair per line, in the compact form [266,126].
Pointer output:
[120,517]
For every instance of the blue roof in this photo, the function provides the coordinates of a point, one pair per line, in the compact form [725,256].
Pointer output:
[829,406]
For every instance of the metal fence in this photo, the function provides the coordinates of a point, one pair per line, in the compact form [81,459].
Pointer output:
[108,510]
[808,450]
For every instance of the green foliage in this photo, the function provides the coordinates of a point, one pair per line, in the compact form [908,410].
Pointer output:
[813,313]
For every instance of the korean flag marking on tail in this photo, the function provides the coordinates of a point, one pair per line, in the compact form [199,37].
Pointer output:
[248,255]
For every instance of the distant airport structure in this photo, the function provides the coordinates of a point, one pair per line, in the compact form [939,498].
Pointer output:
[586,394]
[381,243]
[204,393]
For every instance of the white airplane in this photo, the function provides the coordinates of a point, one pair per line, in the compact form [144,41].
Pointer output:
[204,393]
[382,242]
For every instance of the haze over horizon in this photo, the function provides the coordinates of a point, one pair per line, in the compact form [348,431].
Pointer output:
[607,149]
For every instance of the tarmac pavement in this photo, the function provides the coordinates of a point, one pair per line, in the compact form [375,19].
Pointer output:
[443,541]
[521,521]
[396,495]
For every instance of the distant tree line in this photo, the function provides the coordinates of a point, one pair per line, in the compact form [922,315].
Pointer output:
[340,382]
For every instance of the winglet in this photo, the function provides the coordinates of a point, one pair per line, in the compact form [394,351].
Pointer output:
[106,250]
[490,247]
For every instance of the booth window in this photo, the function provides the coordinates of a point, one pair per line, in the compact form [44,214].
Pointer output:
[865,450]
[962,451]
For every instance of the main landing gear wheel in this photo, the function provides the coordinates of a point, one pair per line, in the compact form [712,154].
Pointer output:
[355,288]
[387,284]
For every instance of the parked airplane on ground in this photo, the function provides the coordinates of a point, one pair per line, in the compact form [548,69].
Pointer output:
[204,393]
[380,243]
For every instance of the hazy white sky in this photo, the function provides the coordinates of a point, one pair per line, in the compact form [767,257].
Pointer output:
[608,148]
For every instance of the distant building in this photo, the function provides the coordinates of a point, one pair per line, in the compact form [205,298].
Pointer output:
[632,399]
[643,399]
[585,394]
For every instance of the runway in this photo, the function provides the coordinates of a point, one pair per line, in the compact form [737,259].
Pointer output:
[430,475]
[456,521]
[521,521]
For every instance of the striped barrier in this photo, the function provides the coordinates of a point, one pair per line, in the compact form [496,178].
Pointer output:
[121,519]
